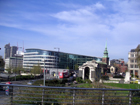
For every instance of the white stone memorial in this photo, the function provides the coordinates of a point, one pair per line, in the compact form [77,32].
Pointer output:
[127,77]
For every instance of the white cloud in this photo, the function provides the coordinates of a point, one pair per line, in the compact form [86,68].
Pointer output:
[99,6]
[88,25]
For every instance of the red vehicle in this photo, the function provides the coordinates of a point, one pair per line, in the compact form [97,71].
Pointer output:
[63,74]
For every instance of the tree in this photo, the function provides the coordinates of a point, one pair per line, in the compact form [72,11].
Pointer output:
[138,55]
[76,66]
[2,63]
[9,71]
[18,70]
[67,67]
[36,69]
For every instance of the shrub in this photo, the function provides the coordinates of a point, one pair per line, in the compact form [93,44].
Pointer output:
[105,77]
[87,81]
[79,80]
[118,76]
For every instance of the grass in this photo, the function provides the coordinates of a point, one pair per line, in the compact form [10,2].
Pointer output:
[85,85]
[125,86]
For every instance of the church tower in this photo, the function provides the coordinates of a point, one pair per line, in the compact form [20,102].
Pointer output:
[105,58]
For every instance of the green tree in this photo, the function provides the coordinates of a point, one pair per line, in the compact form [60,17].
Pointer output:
[9,71]
[36,70]
[76,66]
[138,55]
[2,63]
[67,67]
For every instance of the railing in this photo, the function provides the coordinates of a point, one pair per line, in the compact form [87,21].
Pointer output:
[42,95]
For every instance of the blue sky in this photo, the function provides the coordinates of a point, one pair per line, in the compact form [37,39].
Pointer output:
[75,26]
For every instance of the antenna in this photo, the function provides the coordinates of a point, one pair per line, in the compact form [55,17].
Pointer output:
[23,46]
[17,46]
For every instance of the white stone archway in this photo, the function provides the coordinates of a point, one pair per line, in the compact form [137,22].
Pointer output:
[94,70]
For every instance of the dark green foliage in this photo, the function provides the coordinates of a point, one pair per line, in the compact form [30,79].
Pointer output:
[23,77]
[118,76]
[79,80]
[54,82]
[105,77]
[138,55]
[87,81]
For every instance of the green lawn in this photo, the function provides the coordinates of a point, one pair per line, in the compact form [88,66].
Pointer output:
[85,85]
[125,86]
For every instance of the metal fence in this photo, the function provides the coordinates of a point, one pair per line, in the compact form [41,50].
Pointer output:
[46,95]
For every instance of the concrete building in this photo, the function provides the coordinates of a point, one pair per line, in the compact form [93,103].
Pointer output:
[132,62]
[14,62]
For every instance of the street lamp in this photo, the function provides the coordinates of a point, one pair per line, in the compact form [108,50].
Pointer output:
[58,59]
[44,70]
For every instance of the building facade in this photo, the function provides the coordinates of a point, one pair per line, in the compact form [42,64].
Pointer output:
[54,59]
[119,66]
[132,62]
[13,51]
[14,62]
[7,51]
[10,51]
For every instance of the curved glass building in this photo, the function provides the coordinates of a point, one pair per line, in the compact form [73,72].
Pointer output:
[54,59]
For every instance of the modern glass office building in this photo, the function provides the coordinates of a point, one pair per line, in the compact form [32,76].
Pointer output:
[54,59]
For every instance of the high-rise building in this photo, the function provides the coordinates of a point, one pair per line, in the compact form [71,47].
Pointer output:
[7,51]
[132,62]
[10,51]
[13,51]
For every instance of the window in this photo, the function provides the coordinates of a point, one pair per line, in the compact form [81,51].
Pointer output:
[131,71]
[136,66]
[132,55]
[136,72]
[131,66]
[132,61]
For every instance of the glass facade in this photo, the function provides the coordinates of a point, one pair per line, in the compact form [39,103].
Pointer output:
[54,59]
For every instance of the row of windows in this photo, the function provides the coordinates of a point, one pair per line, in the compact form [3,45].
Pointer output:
[133,61]
[134,72]
[42,61]
[39,57]
[133,66]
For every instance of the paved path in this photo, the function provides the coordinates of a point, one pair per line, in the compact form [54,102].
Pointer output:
[4,99]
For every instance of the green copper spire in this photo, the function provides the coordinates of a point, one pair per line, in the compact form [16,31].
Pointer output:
[105,51]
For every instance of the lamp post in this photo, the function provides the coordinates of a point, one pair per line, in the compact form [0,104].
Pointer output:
[58,59]
[44,70]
